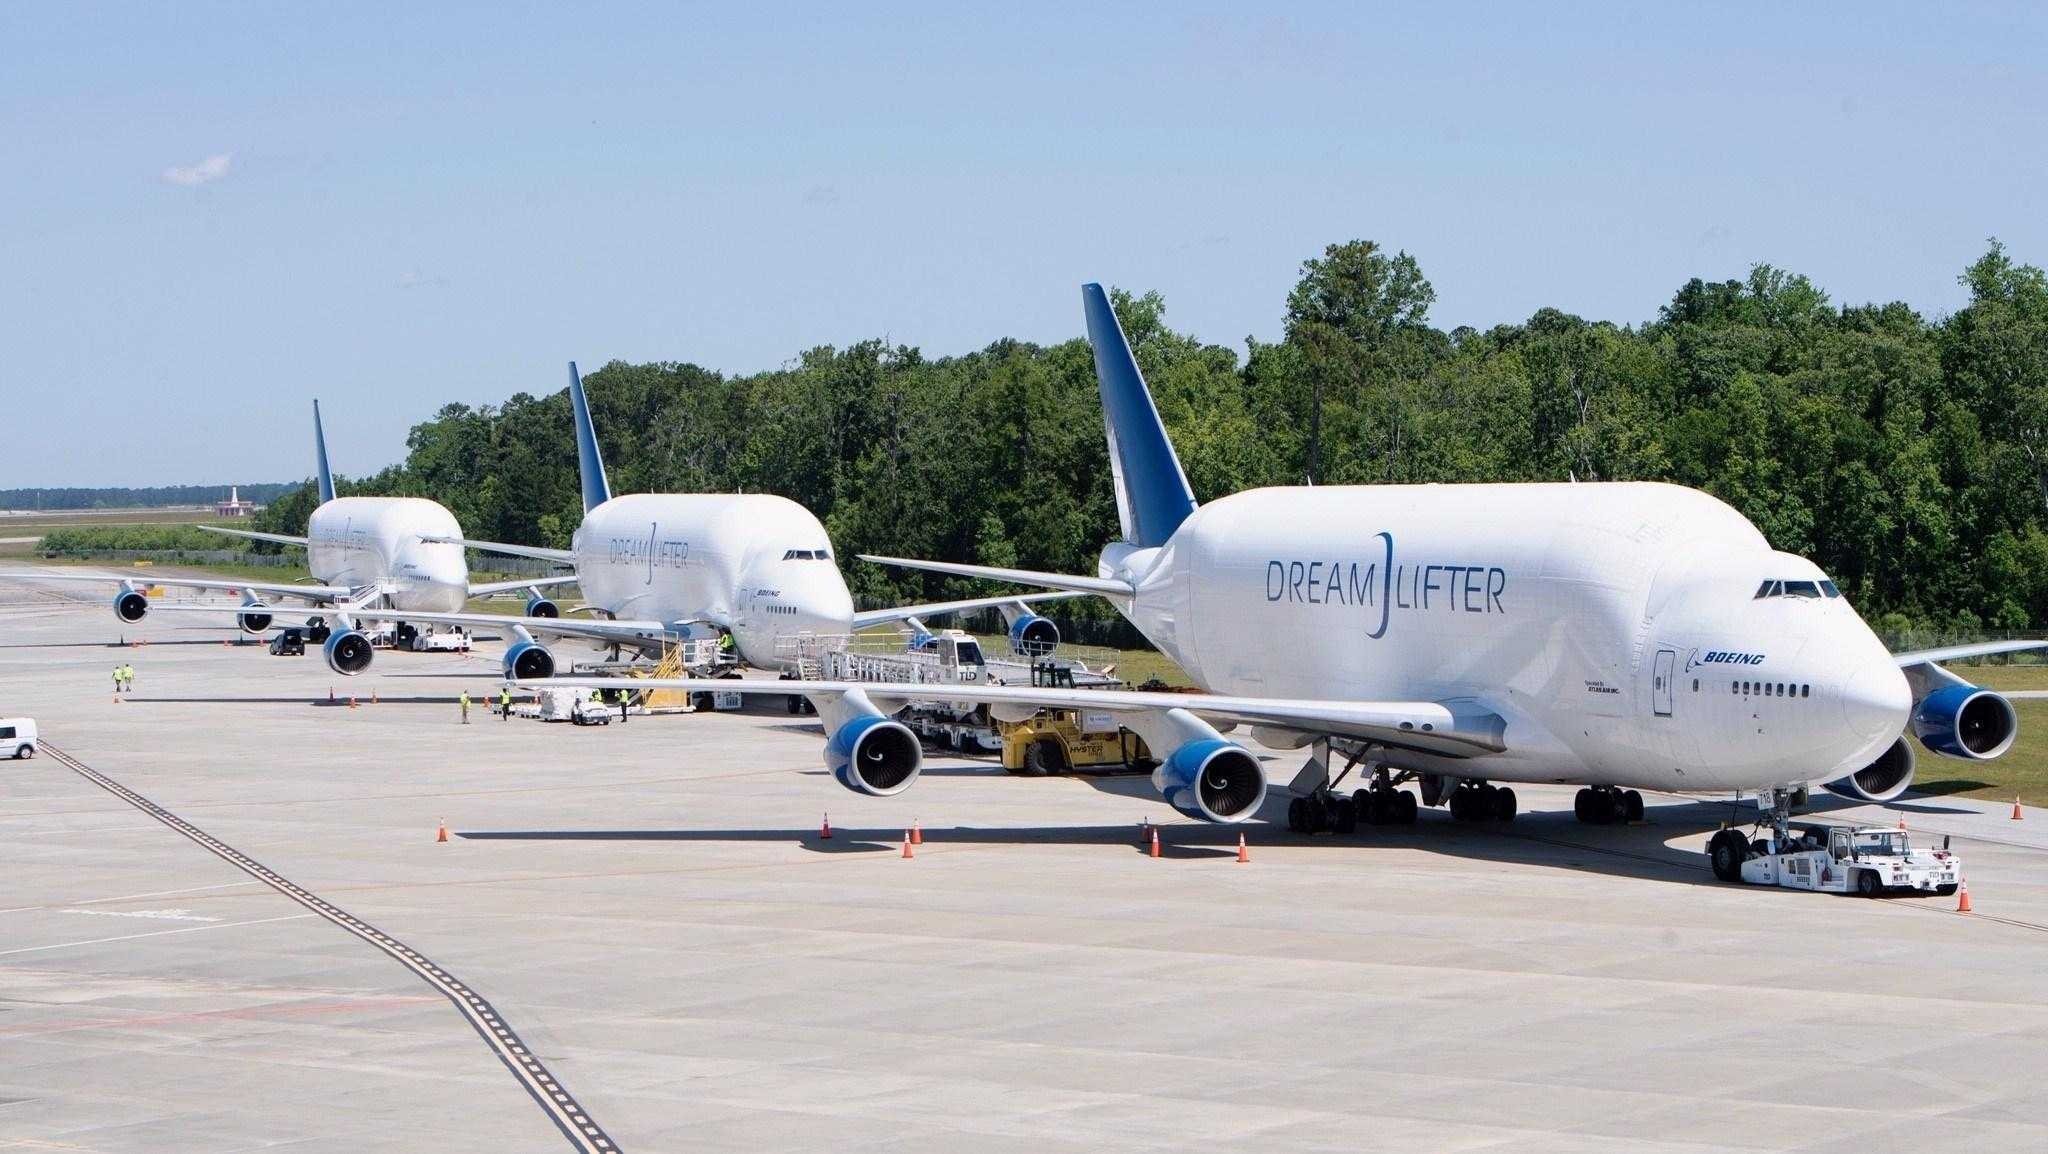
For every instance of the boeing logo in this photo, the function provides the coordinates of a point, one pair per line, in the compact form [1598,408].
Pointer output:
[1726,657]
[1388,586]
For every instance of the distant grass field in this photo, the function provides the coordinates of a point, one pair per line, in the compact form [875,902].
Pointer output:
[19,531]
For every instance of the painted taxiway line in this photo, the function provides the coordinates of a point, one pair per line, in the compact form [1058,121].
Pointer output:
[555,1101]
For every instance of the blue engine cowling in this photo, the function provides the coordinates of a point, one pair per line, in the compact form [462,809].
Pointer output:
[528,660]
[1033,635]
[130,605]
[874,755]
[1212,780]
[1881,780]
[542,607]
[348,652]
[1965,721]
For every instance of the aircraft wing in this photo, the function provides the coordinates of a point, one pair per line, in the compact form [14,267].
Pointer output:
[595,629]
[1104,586]
[253,535]
[315,594]
[1958,652]
[562,555]
[487,589]
[1452,729]
[905,612]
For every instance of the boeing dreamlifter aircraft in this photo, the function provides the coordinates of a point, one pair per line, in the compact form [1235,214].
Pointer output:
[363,553]
[1619,636]
[663,566]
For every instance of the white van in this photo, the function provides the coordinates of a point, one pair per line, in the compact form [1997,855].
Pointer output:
[17,737]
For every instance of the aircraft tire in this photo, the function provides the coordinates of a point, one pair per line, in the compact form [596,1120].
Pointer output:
[1582,807]
[1503,804]
[1296,823]
[1361,803]
[1725,853]
[1634,801]
[1343,815]
[1405,808]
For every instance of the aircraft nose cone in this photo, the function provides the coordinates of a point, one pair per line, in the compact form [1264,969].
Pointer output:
[1876,701]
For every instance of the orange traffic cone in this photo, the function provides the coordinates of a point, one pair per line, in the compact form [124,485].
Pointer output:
[2016,810]
[351,701]
[1155,841]
[825,829]
[117,699]
[1244,853]
[373,697]
[907,851]
[1963,897]
[441,834]
[916,833]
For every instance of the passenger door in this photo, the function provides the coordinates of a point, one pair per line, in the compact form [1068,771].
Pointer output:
[1661,676]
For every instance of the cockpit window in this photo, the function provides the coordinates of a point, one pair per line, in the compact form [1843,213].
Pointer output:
[807,555]
[1801,588]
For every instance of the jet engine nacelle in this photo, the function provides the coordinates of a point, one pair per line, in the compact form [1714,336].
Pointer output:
[542,607]
[1965,721]
[1881,780]
[528,660]
[874,755]
[348,652]
[1213,780]
[253,622]
[130,606]
[1033,635]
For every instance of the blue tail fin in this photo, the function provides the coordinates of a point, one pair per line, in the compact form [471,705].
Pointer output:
[320,457]
[1152,494]
[596,490]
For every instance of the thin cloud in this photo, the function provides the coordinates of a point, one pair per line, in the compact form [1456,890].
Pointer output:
[205,172]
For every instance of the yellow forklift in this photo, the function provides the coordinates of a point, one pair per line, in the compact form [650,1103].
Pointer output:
[1059,740]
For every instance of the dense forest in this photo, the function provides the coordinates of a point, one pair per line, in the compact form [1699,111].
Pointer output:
[155,497]
[1907,455]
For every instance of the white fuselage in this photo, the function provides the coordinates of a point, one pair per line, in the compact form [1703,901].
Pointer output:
[363,542]
[1615,626]
[758,565]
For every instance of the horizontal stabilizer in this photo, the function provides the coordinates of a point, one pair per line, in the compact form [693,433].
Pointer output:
[1099,585]
[941,608]
[253,535]
[488,588]
[563,556]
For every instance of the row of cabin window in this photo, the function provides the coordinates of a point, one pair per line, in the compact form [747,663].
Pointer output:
[1767,689]
[1815,589]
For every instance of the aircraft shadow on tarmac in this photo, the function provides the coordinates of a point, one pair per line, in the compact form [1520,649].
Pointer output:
[1544,839]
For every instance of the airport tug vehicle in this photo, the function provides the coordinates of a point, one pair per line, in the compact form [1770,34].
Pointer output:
[1869,861]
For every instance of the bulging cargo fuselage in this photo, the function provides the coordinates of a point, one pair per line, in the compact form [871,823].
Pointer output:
[1631,634]
[359,542]
[757,565]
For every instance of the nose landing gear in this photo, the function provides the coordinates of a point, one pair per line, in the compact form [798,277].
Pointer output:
[1606,805]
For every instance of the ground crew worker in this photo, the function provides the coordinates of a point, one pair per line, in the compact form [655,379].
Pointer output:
[622,707]
[725,646]
[465,707]
[128,676]
[505,703]
[117,681]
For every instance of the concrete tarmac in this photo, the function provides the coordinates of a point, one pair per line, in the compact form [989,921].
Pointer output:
[650,907]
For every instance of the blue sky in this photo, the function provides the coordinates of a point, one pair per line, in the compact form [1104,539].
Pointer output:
[211,214]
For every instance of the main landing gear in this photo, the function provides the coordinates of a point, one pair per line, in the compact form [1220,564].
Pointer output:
[1606,805]
[1478,801]
[1318,807]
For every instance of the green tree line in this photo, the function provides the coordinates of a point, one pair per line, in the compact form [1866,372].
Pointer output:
[1907,455]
